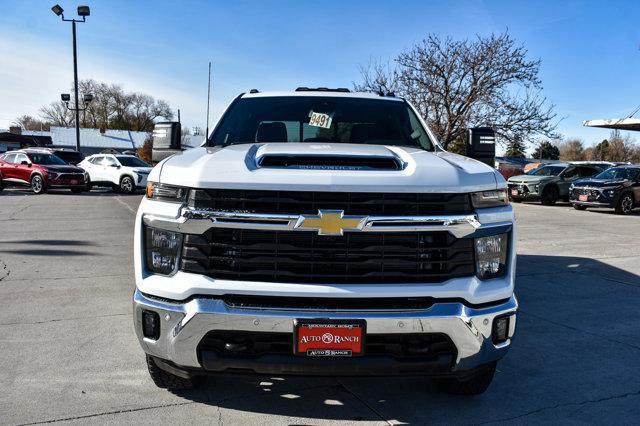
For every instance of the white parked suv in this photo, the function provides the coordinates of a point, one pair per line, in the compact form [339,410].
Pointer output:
[123,173]
[324,232]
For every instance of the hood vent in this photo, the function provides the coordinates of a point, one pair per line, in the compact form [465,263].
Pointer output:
[330,162]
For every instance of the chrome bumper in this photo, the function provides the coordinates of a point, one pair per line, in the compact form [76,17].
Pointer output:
[183,326]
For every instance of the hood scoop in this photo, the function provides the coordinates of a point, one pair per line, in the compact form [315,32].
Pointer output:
[326,157]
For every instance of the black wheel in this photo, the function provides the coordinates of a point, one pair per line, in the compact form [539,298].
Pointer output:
[126,185]
[625,203]
[165,380]
[1,185]
[474,385]
[549,196]
[37,184]
[579,207]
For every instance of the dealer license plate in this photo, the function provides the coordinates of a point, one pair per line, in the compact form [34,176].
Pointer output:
[583,197]
[329,338]
[514,192]
[74,182]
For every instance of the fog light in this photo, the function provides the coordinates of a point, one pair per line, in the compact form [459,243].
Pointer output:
[500,331]
[491,256]
[150,325]
[163,250]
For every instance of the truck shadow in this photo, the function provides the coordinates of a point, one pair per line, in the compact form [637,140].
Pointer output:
[576,341]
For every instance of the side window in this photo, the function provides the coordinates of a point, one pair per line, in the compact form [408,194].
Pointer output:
[95,160]
[108,161]
[20,158]
[588,171]
[9,158]
[570,173]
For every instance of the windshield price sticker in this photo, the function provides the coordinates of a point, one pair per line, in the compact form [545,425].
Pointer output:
[319,119]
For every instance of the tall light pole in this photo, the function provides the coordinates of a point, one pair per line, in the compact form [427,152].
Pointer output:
[83,11]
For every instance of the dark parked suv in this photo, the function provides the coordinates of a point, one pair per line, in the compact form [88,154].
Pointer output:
[551,182]
[617,187]
[40,170]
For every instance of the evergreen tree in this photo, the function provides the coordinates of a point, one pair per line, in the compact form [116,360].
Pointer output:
[546,151]
[516,148]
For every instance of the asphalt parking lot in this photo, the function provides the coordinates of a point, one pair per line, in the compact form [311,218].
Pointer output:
[69,354]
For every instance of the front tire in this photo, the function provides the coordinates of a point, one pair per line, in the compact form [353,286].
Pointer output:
[474,385]
[579,207]
[549,196]
[37,184]
[166,380]
[126,185]
[625,204]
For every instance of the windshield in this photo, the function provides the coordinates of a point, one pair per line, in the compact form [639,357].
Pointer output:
[46,159]
[320,119]
[130,161]
[619,173]
[547,171]
[71,157]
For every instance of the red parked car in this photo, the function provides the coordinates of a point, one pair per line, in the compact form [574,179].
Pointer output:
[41,170]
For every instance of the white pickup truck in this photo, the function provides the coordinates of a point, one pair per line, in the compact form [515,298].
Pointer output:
[322,232]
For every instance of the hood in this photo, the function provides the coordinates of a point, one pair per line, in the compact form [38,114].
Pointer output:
[63,169]
[142,170]
[530,178]
[239,167]
[598,183]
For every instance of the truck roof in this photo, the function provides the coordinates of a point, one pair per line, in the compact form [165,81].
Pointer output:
[322,93]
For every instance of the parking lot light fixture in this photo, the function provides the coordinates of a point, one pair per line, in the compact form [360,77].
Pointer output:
[58,10]
[83,12]
[65,97]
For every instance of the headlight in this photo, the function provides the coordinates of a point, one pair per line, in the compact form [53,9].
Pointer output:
[494,198]
[163,250]
[491,256]
[156,191]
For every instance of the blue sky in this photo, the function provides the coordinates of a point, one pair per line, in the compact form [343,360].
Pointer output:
[589,50]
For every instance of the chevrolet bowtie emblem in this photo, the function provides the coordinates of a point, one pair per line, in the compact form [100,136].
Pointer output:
[331,222]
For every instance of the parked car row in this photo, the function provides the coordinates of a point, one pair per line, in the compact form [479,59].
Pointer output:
[42,169]
[583,184]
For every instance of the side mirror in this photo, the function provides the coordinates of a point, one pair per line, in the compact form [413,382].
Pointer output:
[117,166]
[25,163]
[166,140]
[481,145]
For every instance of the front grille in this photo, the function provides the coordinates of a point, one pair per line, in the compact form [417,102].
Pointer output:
[248,344]
[69,176]
[306,257]
[585,191]
[308,202]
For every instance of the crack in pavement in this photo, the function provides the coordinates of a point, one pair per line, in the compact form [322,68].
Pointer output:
[68,278]
[591,333]
[106,413]
[561,405]
[63,319]
[365,403]
[4,270]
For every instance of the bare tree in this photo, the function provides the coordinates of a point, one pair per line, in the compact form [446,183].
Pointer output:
[57,114]
[28,122]
[572,150]
[621,148]
[111,108]
[459,84]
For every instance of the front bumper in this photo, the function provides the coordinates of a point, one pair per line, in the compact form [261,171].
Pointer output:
[523,191]
[183,325]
